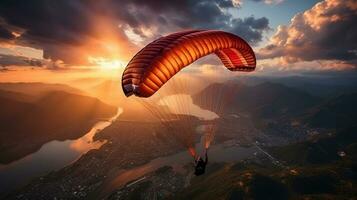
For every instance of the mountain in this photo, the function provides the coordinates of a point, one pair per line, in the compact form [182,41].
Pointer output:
[279,102]
[338,113]
[320,150]
[13,104]
[16,96]
[316,85]
[265,100]
[36,89]
[57,115]
[275,100]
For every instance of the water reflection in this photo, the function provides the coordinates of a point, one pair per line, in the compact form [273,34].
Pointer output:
[53,155]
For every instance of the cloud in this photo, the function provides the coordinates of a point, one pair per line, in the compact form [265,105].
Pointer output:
[326,32]
[168,16]
[73,30]
[22,61]
[5,34]
[10,60]
[279,65]
[68,30]
[269,1]
[250,28]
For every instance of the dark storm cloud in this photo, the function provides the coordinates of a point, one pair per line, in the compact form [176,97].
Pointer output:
[49,25]
[325,32]
[225,4]
[5,34]
[202,14]
[250,28]
[48,20]
[59,26]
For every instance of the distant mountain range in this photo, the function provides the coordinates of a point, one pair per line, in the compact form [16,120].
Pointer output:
[265,100]
[280,103]
[338,113]
[32,116]
[317,85]
[37,89]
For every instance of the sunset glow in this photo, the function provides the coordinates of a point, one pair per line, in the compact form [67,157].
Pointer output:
[106,63]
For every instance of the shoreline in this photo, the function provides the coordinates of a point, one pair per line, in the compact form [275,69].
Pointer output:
[58,154]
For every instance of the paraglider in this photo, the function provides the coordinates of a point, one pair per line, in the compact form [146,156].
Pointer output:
[162,59]
[200,164]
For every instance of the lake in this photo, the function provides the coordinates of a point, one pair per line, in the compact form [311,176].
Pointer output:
[53,155]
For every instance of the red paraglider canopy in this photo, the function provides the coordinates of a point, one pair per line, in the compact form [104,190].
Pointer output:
[160,60]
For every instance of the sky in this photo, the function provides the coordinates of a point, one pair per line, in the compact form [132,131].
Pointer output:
[288,36]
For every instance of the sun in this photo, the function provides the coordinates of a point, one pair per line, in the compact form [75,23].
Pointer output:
[106,63]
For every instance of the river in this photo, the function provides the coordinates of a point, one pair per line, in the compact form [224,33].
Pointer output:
[53,155]
[228,151]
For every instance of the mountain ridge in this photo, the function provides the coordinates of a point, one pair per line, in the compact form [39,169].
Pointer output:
[54,115]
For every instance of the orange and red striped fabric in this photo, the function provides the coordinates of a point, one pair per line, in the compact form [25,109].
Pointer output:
[160,60]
